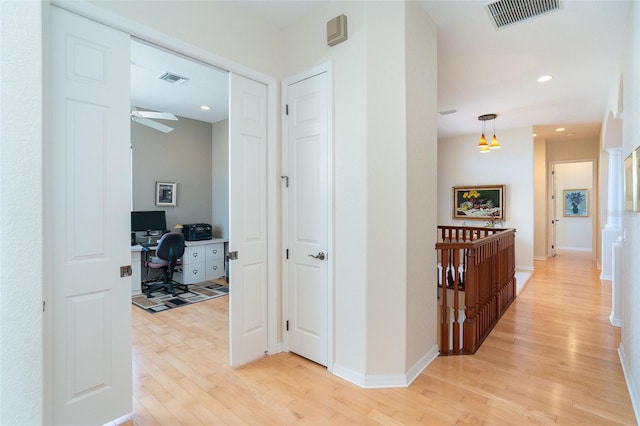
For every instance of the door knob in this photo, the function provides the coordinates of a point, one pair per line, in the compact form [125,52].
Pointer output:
[318,256]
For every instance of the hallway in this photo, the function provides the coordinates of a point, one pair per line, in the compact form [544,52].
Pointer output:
[552,359]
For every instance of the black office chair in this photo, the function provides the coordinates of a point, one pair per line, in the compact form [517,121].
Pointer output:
[169,254]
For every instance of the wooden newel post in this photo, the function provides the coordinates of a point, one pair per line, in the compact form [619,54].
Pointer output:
[471,303]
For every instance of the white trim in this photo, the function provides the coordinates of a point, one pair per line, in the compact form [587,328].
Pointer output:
[165,41]
[616,322]
[422,363]
[585,249]
[542,258]
[326,67]
[631,385]
[387,380]
[606,277]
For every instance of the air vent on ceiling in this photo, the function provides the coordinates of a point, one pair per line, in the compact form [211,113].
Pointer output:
[173,78]
[509,12]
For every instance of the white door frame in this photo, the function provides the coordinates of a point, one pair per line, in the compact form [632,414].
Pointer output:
[594,207]
[160,39]
[328,68]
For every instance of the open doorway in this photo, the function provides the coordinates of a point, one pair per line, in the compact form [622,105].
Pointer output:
[574,206]
[191,151]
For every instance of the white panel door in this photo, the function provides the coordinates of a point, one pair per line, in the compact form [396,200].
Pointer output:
[87,221]
[247,220]
[308,218]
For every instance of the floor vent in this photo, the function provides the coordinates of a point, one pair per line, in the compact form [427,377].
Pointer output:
[509,12]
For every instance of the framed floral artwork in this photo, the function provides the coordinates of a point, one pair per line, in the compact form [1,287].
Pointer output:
[479,202]
[575,202]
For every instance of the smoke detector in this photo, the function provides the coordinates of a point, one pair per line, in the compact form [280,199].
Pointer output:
[508,12]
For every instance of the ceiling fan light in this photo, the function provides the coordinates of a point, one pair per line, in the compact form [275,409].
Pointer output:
[494,143]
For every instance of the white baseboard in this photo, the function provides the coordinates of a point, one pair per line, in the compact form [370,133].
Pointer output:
[631,385]
[422,363]
[606,277]
[587,249]
[543,258]
[523,276]
[616,322]
[386,380]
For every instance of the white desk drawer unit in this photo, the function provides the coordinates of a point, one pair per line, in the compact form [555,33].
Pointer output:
[214,261]
[201,263]
[193,265]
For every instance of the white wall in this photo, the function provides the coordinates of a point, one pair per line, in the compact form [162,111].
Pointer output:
[422,176]
[307,49]
[540,210]
[574,233]
[220,176]
[460,164]
[182,156]
[380,137]
[21,222]
[630,335]
[230,29]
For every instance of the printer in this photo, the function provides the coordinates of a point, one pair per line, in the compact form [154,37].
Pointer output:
[197,231]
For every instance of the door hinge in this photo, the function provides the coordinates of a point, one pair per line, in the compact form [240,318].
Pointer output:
[43,305]
[286,109]
[553,197]
[553,246]
[287,253]
[286,180]
[287,325]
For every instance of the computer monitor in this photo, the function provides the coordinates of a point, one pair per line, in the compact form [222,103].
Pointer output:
[151,222]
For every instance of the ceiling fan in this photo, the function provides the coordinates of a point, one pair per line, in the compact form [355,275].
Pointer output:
[144,118]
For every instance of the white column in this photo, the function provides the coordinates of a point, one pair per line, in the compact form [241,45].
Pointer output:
[613,228]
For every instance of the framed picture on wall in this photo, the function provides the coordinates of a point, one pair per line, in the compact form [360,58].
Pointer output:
[575,202]
[166,193]
[630,182]
[636,179]
[478,202]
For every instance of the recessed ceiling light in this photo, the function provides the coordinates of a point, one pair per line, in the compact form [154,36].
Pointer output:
[560,129]
[544,78]
[205,107]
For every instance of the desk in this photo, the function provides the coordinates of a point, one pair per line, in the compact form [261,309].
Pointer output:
[202,261]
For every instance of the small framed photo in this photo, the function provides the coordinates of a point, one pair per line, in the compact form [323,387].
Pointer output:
[166,193]
[575,202]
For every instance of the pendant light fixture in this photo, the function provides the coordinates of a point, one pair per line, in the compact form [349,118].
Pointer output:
[483,145]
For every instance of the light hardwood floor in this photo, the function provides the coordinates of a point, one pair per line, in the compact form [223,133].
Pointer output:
[551,359]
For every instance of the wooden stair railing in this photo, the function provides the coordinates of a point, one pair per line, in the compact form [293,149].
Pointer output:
[476,270]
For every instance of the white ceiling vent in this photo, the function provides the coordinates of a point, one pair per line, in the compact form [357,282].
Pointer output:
[509,12]
[173,78]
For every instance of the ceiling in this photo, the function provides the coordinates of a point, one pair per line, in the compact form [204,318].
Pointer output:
[481,70]
[206,85]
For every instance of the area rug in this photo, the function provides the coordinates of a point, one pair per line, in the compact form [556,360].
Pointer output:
[161,300]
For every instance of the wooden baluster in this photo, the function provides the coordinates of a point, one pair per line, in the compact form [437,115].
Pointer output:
[456,306]
[470,300]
